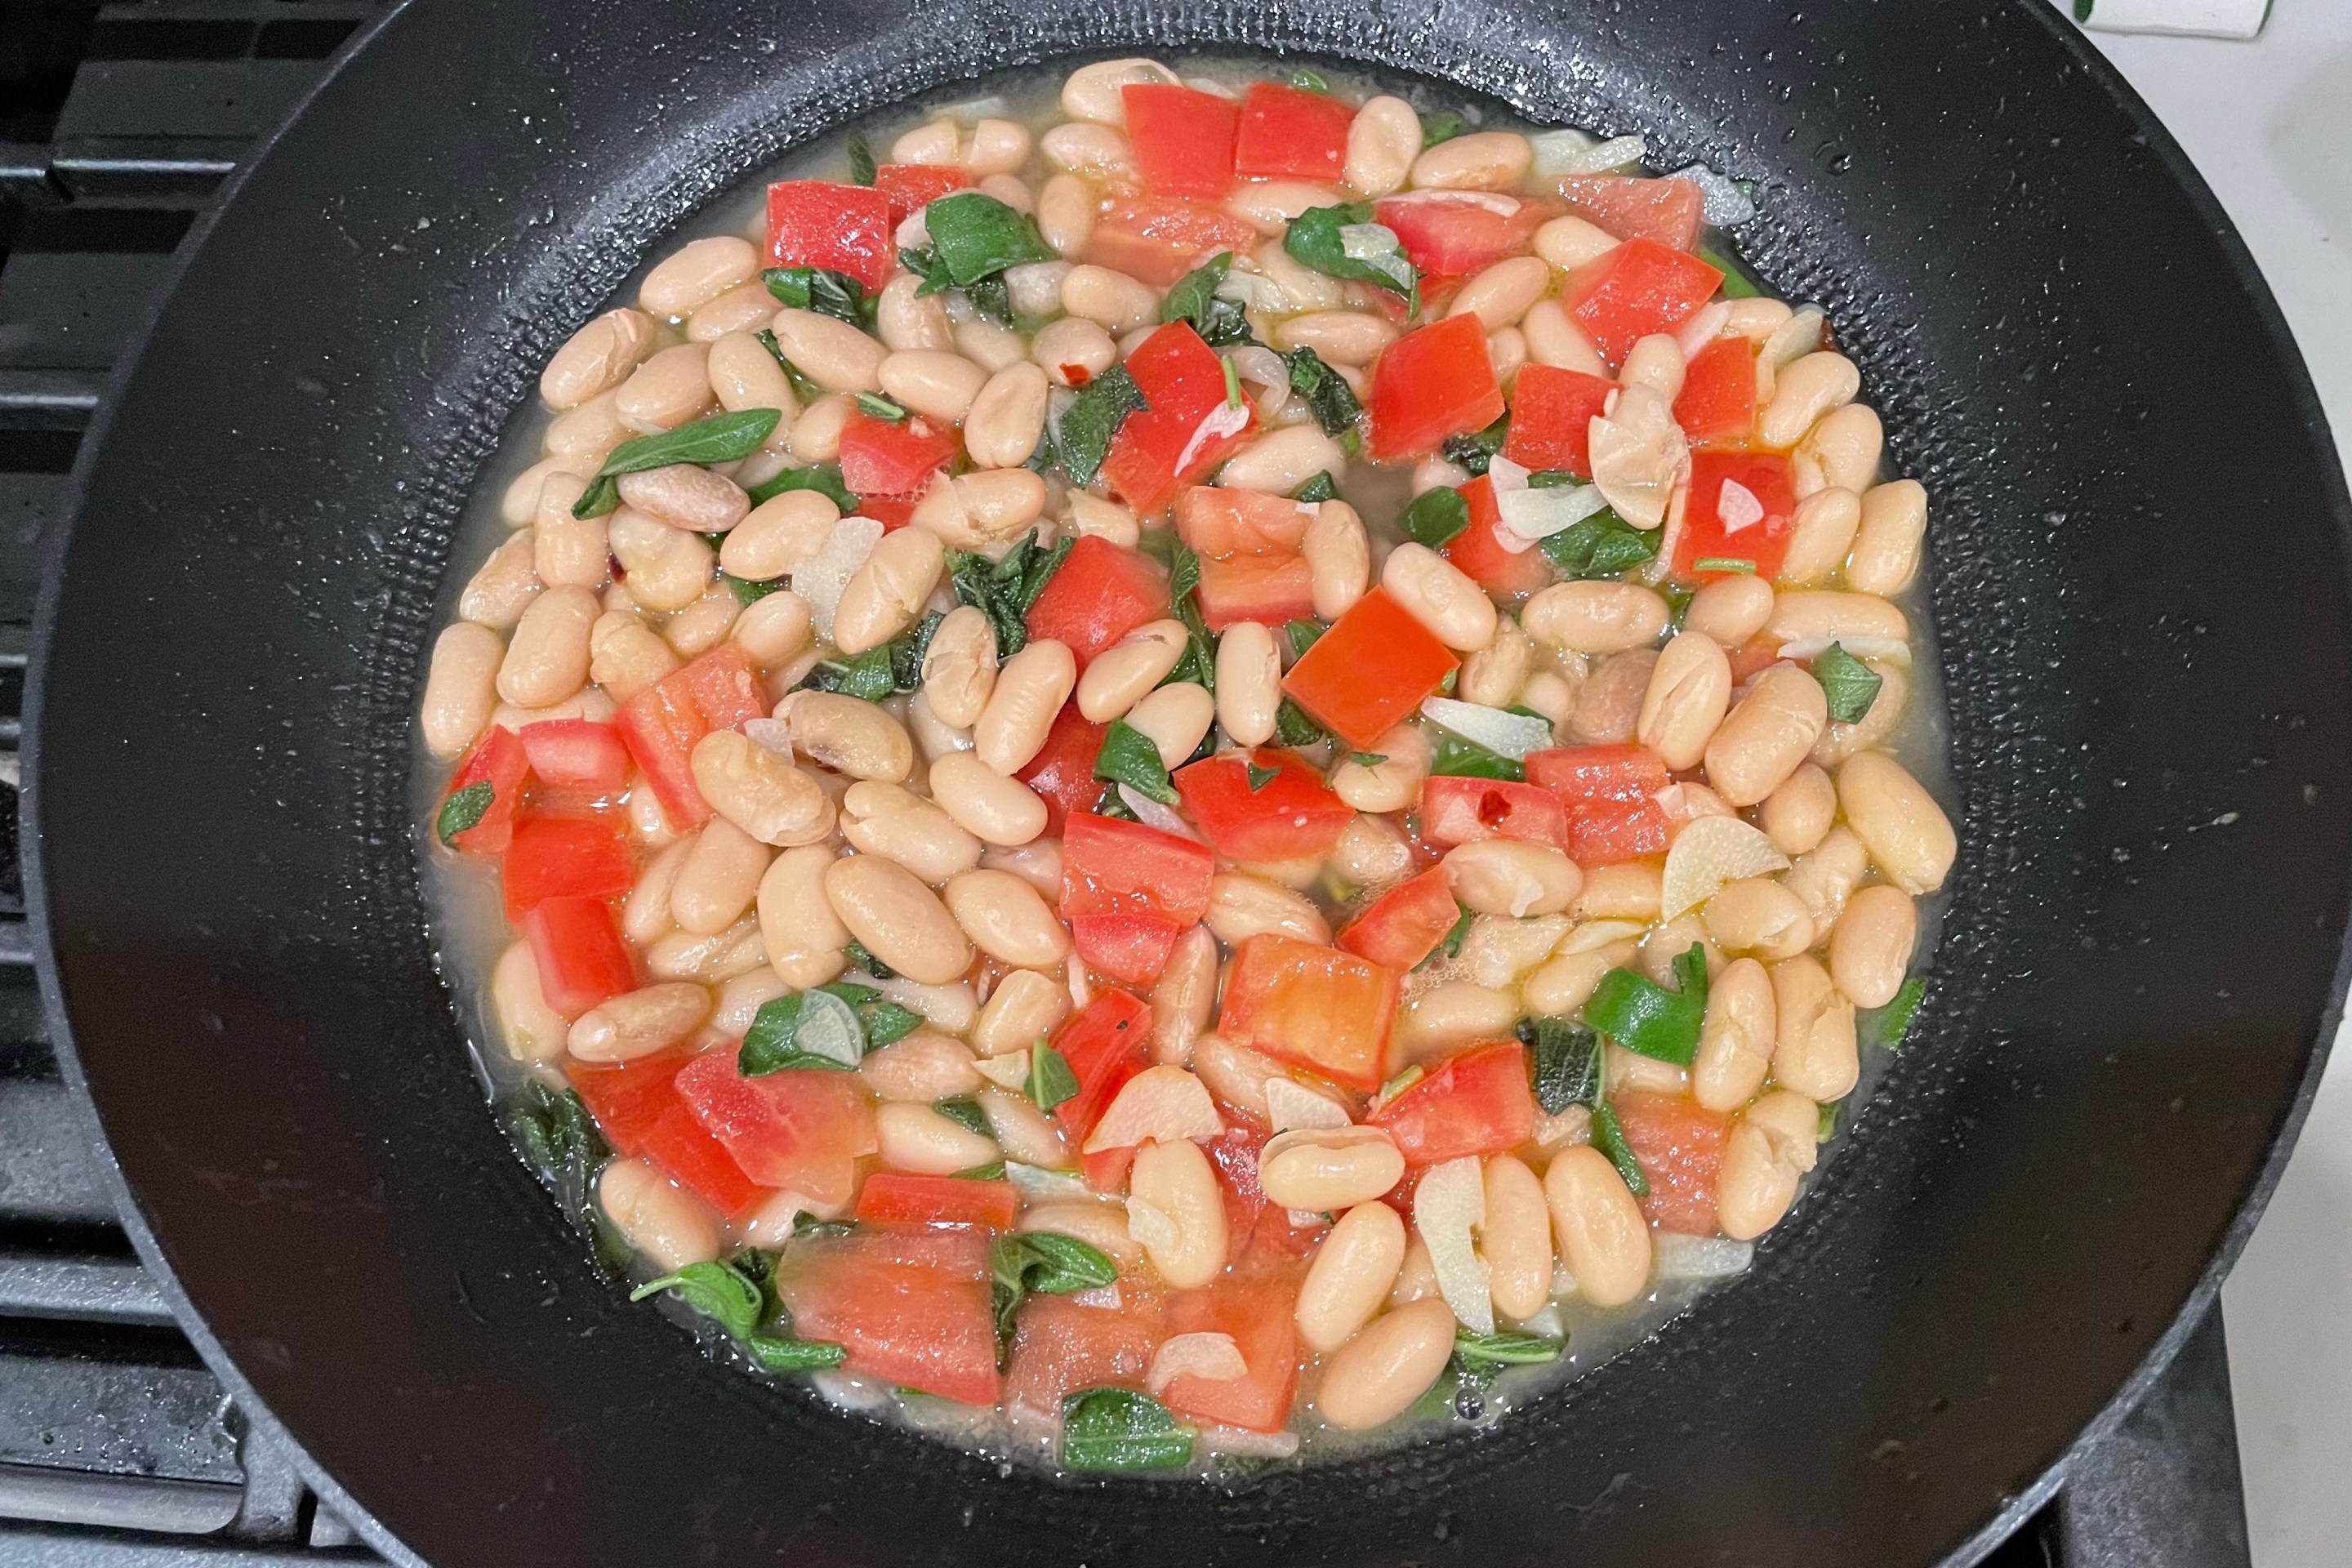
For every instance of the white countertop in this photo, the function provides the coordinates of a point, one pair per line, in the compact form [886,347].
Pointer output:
[2270,125]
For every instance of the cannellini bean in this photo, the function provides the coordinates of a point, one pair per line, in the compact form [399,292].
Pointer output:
[921,1069]
[933,737]
[1796,815]
[900,920]
[584,436]
[934,383]
[639,1023]
[1451,1014]
[1505,877]
[1843,450]
[1006,919]
[759,791]
[1092,517]
[1549,693]
[1870,948]
[1602,1237]
[1236,1074]
[988,345]
[1515,1240]
[1030,690]
[503,586]
[886,594]
[778,535]
[644,914]
[990,805]
[460,687]
[1174,718]
[1073,351]
[740,999]
[1688,694]
[1279,461]
[832,353]
[1886,548]
[996,147]
[905,320]
[884,819]
[1094,92]
[1435,593]
[771,628]
[816,434]
[1351,1277]
[1609,703]
[667,567]
[1500,295]
[696,273]
[1184,996]
[530,1030]
[1826,877]
[586,703]
[1730,609]
[1027,1134]
[665,1223]
[1821,613]
[1499,950]
[698,628]
[1814,1051]
[597,358]
[1328,1168]
[1338,337]
[959,666]
[1249,683]
[1765,738]
[547,659]
[1493,675]
[1339,557]
[1065,214]
[1803,390]
[1654,361]
[1372,853]
[687,497]
[1020,1011]
[1555,338]
[984,507]
[1121,676]
[744,375]
[1509,351]
[1566,983]
[1301,289]
[1111,300]
[1595,617]
[1893,814]
[1759,915]
[849,734]
[1007,417]
[717,878]
[1773,1144]
[1377,1375]
[1271,206]
[1242,906]
[918,1139]
[935,142]
[1182,1222]
[1568,243]
[743,308]
[1393,783]
[1820,537]
[1481,160]
[1383,141]
[1735,1042]
[682,955]
[667,390]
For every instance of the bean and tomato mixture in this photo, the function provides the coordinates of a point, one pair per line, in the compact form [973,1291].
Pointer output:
[1195,770]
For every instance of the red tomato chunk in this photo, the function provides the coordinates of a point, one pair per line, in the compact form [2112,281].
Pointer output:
[576,753]
[1159,240]
[1434,382]
[1111,867]
[895,1196]
[893,457]
[566,857]
[500,760]
[1257,1308]
[844,229]
[1639,288]
[1598,773]
[1183,138]
[1667,211]
[1186,431]
[910,1304]
[1474,1103]
[1130,949]
[1214,521]
[661,724]
[1716,406]
[1290,817]
[1479,551]
[1098,595]
[1680,1145]
[1404,925]
[1743,507]
[1061,1346]
[580,955]
[1465,810]
[1326,1010]
[1289,134]
[1449,236]
[1105,1045]
[803,1130]
[1370,671]
[1552,418]
[1602,833]
[1063,771]
[637,1107]
[911,187]
[1271,589]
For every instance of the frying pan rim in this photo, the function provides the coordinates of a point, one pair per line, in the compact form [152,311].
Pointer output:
[2252,1199]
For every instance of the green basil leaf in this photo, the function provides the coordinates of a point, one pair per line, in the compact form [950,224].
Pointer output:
[1130,757]
[1435,517]
[1825,1120]
[1303,636]
[1191,297]
[965,1112]
[807,1225]
[1648,1019]
[1367,759]
[1309,81]
[862,169]
[1327,391]
[881,407]
[808,1029]
[1602,545]
[1038,568]
[1455,757]
[1507,1349]
[560,1143]
[1117,1429]
[924,263]
[1051,1081]
[1318,489]
[715,438]
[1850,685]
[1082,437]
[1258,777]
[976,236]
[825,479]
[821,290]
[806,390]
[1475,449]
[1441,125]
[1292,727]
[1563,1062]
[463,809]
[886,1021]
[1317,240]
[992,297]
[1450,945]
[794,1355]
[751,590]
[860,957]
[717,1291]
[1886,1026]
[1609,1137]
[1041,1262]
[1737,284]
[870,675]
[907,651]
[1553,479]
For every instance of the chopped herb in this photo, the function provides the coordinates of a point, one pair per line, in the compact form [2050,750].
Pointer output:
[1553,479]
[1442,125]
[1602,545]
[1825,1124]
[560,1143]
[1318,489]
[1506,1348]
[1292,727]
[749,590]
[1114,806]
[1051,1081]
[1199,663]
[907,651]
[807,1225]
[1326,392]
[824,477]
[823,290]
[717,439]
[804,389]
[1317,239]
[1303,636]
[1563,1062]
[1648,1018]
[1259,777]
[1367,759]
[1737,284]
[1739,564]
[463,809]
[860,957]
[1850,685]
[882,407]
[1887,1025]
[1130,757]
[886,1021]
[1450,945]
[1220,323]
[1678,602]
[1309,81]
[1233,383]
[866,675]
[818,1028]
[794,1355]
[1120,1429]
[1434,517]
[992,1171]
[716,1290]
[1041,1263]
[975,235]
[965,1112]
[1475,449]
[923,262]
[992,297]
[1609,1137]
[1082,437]
[862,169]
[1003,590]
[1455,757]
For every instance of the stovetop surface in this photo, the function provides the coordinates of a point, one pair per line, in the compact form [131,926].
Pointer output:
[118,1447]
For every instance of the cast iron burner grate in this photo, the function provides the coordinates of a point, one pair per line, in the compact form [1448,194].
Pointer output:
[118,1447]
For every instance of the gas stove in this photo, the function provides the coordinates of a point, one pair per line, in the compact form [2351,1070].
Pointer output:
[118,1447]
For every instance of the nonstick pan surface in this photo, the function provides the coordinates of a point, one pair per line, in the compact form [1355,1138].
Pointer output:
[2139,578]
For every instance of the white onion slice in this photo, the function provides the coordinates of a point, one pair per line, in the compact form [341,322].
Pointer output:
[1447,1207]
[1530,515]
[1008,1071]
[1892,649]
[1152,813]
[1699,1256]
[1511,735]
[828,1027]
[1163,1102]
[1725,204]
[1575,152]
[820,579]
[1289,1103]
[771,734]
[1213,1357]
[1226,419]
[1707,853]
[1737,506]
[1504,475]
[1553,148]
[1638,454]
[1377,247]
[1040,1183]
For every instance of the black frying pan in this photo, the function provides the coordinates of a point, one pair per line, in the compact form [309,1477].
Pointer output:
[2138,571]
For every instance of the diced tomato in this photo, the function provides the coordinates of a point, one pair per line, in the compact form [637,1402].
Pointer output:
[911,187]
[1742,507]
[1474,1103]
[1453,236]
[1370,671]
[804,1129]
[724,687]
[1604,832]
[1680,1145]
[898,1196]
[565,857]
[1289,134]
[1753,657]
[1270,589]
[1216,521]
[1404,925]
[500,760]
[1257,1306]
[1290,817]
[1114,868]
[1183,138]
[576,753]
[1598,773]
[1063,771]
[1060,1347]
[1160,241]
[1552,411]
[681,1145]
[1322,1008]
[1100,592]
[577,946]
[1455,810]
[1106,1170]
[893,513]
[1667,211]
[910,1305]
[1716,406]
[1106,1044]
[1162,449]
[893,457]
[844,229]
[660,726]
[628,1097]
[1235,1152]
[1634,289]
[1433,382]
[1130,949]
[1479,551]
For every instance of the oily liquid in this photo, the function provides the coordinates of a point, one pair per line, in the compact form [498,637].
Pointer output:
[470,931]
